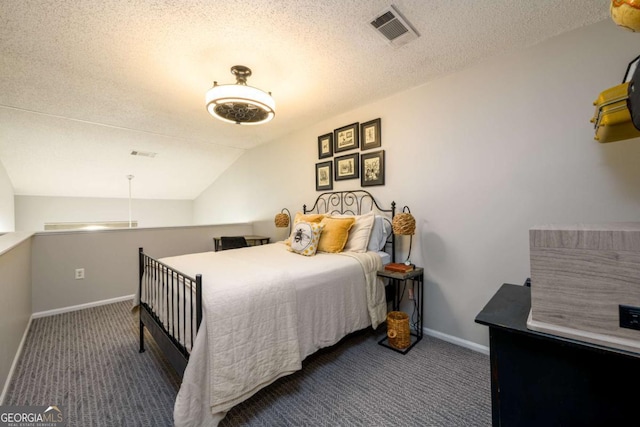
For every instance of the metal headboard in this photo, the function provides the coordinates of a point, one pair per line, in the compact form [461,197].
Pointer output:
[355,202]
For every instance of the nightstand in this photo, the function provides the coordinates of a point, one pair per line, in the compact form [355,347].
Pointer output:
[399,284]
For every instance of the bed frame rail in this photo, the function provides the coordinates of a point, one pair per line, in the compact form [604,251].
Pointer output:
[168,301]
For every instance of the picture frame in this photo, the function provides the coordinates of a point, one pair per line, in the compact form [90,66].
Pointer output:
[325,145]
[631,69]
[372,169]
[346,138]
[324,176]
[347,167]
[370,135]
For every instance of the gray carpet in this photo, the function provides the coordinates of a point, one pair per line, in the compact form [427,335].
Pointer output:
[87,361]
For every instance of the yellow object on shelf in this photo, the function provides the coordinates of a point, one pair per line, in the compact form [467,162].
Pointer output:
[626,14]
[612,120]
[613,94]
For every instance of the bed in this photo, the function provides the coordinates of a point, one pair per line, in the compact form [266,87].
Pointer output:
[232,322]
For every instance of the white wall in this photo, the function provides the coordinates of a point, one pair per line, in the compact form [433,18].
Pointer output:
[110,260]
[480,156]
[15,304]
[33,211]
[7,214]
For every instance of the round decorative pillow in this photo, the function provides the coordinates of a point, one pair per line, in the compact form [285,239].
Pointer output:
[304,237]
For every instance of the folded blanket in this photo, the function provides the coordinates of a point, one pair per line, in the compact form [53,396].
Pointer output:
[255,338]
[250,322]
[376,297]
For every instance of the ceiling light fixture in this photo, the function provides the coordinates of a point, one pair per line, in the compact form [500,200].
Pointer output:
[239,103]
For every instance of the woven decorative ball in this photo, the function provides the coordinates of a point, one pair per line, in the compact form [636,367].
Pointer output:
[404,223]
[282,220]
[626,14]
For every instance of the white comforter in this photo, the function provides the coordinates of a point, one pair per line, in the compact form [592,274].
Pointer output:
[265,310]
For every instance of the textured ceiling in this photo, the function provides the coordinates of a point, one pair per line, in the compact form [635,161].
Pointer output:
[84,82]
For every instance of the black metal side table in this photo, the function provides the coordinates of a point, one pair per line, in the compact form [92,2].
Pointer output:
[399,283]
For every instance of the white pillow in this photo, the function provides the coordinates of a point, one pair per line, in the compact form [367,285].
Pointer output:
[360,233]
[379,234]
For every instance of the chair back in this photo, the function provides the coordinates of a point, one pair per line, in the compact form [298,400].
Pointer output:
[232,242]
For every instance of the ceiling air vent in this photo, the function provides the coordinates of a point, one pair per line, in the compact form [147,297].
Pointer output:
[143,153]
[393,27]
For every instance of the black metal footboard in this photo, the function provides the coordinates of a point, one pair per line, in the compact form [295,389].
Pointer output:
[170,308]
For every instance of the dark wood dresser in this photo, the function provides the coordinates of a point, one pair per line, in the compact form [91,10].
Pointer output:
[539,379]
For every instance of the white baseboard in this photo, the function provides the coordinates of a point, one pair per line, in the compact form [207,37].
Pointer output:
[457,341]
[80,307]
[15,362]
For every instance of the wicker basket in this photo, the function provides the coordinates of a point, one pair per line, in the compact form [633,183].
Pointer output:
[398,331]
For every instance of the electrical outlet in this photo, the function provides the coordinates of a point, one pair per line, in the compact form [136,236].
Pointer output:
[79,273]
[629,317]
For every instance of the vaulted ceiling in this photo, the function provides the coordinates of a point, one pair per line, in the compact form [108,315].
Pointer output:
[85,82]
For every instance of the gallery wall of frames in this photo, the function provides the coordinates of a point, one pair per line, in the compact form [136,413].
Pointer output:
[349,156]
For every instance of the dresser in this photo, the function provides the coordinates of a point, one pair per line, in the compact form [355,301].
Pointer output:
[538,379]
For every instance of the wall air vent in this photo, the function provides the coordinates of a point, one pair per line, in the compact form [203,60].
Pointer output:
[395,30]
[143,153]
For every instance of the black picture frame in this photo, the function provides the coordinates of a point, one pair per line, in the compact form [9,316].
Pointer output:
[346,138]
[372,169]
[631,68]
[347,167]
[324,176]
[370,135]
[325,145]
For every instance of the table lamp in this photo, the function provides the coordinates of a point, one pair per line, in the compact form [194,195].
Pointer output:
[283,219]
[404,224]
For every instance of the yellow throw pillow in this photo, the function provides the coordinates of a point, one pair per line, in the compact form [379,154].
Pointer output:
[304,238]
[334,234]
[306,218]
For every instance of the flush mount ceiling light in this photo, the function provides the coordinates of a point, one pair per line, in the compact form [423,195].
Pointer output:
[239,103]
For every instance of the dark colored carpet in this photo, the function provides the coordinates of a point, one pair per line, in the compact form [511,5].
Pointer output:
[88,362]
